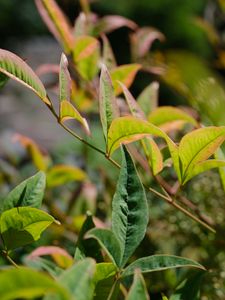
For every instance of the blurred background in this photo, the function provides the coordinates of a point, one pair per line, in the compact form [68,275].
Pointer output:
[194,55]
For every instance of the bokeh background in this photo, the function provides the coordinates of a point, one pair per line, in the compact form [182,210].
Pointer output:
[194,51]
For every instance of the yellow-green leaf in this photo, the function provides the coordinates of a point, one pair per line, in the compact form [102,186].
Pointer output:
[167,114]
[153,154]
[64,79]
[138,289]
[68,111]
[61,174]
[199,145]
[14,67]
[86,55]
[125,74]
[23,225]
[56,22]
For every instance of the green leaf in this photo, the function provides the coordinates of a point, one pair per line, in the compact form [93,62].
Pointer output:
[86,54]
[129,209]
[138,289]
[87,247]
[30,192]
[67,111]
[219,154]
[155,263]
[148,99]
[62,174]
[108,55]
[78,279]
[23,225]
[107,103]
[199,145]
[3,80]
[109,243]
[26,283]
[14,67]
[125,74]
[56,22]
[167,114]
[64,79]
[204,166]
[104,278]
[189,288]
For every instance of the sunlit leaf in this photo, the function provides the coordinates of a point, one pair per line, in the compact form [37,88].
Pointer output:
[138,289]
[56,22]
[78,279]
[24,283]
[148,99]
[142,39]
[62,174]
[108,55]
[129,209]
[167,114]
[199,145]
[153,154]
[86,54]
[124,74]
[67,111]
[107,103]
[108,242]
[64,79]
[160,262]
[23,225]
[39,158]
[14,67]
[30,193]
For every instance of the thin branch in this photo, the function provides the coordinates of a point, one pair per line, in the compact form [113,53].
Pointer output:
[5,254]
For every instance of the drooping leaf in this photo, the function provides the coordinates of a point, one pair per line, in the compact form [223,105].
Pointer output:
[129,209]
[14,67]
[64,79]
[107,103]
[124,74]
[26,283]
[78,279]
[110,23]
[166,114]
[189,288]
[68,111]
[108,242]
[148,99]
[142,39]
[108,55]
[59,255]
[62,174]
[153,154]
[134,107]
[30,193]
[138,289]
[155,263]
[87,247]
[103,280]
[56,22]
[86,54]
[23,225]
[199,145]
[39,157]
[204,166]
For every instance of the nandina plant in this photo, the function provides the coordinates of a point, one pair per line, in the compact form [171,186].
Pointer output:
[103,265]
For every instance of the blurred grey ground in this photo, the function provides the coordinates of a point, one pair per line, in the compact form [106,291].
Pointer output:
[21,111]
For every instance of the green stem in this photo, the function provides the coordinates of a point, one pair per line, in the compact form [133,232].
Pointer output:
[6,255]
